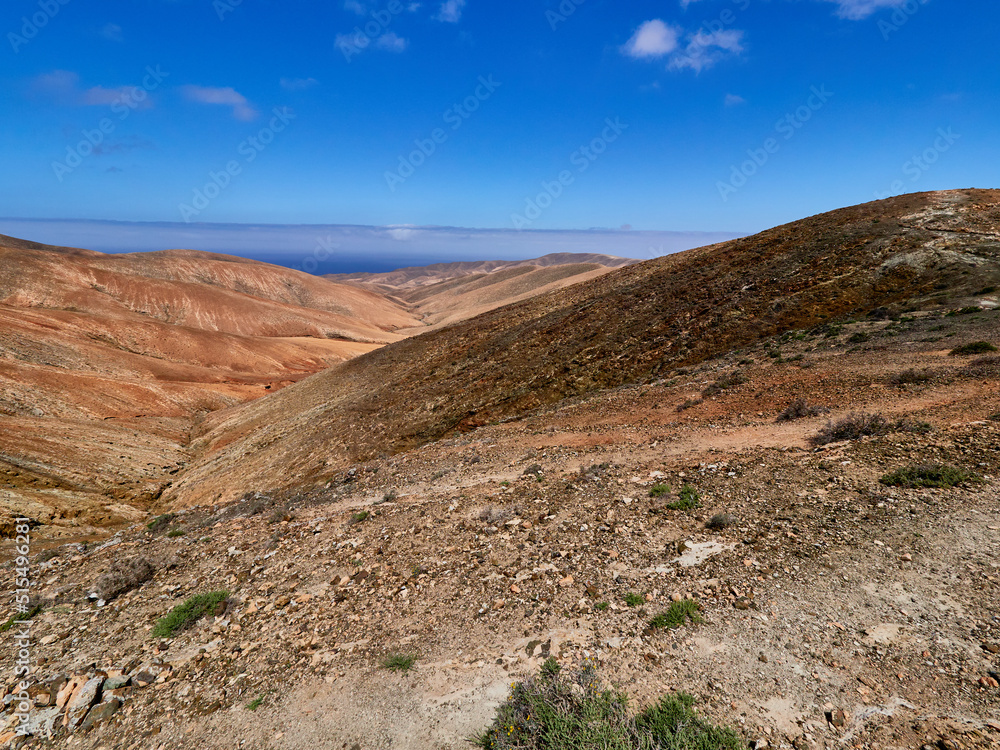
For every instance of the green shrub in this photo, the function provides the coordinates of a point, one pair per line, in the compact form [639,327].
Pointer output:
[559,711]
[359,517]
[688,499]
[33,609]
[634,600]
[601,606]
[929,475]
[399,662]
[187,614]
[174,533]
[852,427]
[976,347]
[910,377]
[659,490]
[677,615]
[255,704]
[160,522]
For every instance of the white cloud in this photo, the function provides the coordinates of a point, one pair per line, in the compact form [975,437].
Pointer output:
[652,39]
[63,86]
[403,233]
[451,11]
[224,96]
[391,42]
[686,3]
[704,50]
[855,10]
[734,100]
[99,96]
[298,84]
[356,6]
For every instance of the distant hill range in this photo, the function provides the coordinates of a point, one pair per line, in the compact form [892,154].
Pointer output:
[444,293]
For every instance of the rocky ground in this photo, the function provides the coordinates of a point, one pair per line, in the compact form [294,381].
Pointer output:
[837,611]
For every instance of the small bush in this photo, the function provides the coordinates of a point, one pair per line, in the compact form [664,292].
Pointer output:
[187,614]
[160,522]
[689,404]
[929,475]
[721,521]
[399,662]
[858,338]
[174,533]
[976,347]
[358,517]
[495,516]
[910,377]
[602,606]
[573,711]
[852,427]
[255,704]
[634,600]
[124,576]
[724,383]
[34,607]
[659,490]
[800,409]
[994,417]
[688,499]
[677,615]
[550,667]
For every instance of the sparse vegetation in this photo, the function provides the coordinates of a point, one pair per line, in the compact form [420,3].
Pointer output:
[858,338]
[634,600]
[160,522]
[689,403]
[559,711]
[358,517]
[677,615]
[602,606]
[399,662]
[34,608]
[659,490]
[976,347]
[124,576]
[187,614]
[390,497]
[911,376]
[721,521]
[495,515]
[861,424]
[930,475]
[255,704]
[800,409]
[994,417]
[724,383]
[687,499]
[174,533]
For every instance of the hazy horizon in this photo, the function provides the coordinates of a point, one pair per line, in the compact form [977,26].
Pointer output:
[350,248]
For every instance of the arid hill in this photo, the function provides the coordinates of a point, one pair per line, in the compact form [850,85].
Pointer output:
[108,361]
[446,293]
[637,323]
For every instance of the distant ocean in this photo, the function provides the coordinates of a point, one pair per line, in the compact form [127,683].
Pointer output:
[343,248]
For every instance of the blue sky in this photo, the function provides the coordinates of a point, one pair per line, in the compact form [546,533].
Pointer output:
[675,115]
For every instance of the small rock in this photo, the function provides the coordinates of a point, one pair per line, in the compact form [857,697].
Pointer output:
[101,712]
[81,702]
[838,718]
[567,581]
[143,679]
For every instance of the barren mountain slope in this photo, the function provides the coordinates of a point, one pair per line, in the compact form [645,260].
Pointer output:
[634,323]
[107,362]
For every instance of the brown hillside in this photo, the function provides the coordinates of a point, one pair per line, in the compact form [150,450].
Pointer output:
[638,322]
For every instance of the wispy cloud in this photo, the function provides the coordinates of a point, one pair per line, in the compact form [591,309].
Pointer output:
[652,39]
[298,84]
[391,42]
[356,6]
[656,39]
[734,100]
[705,50]
[856,10]
[64,87]
[451,11]
[223,96]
